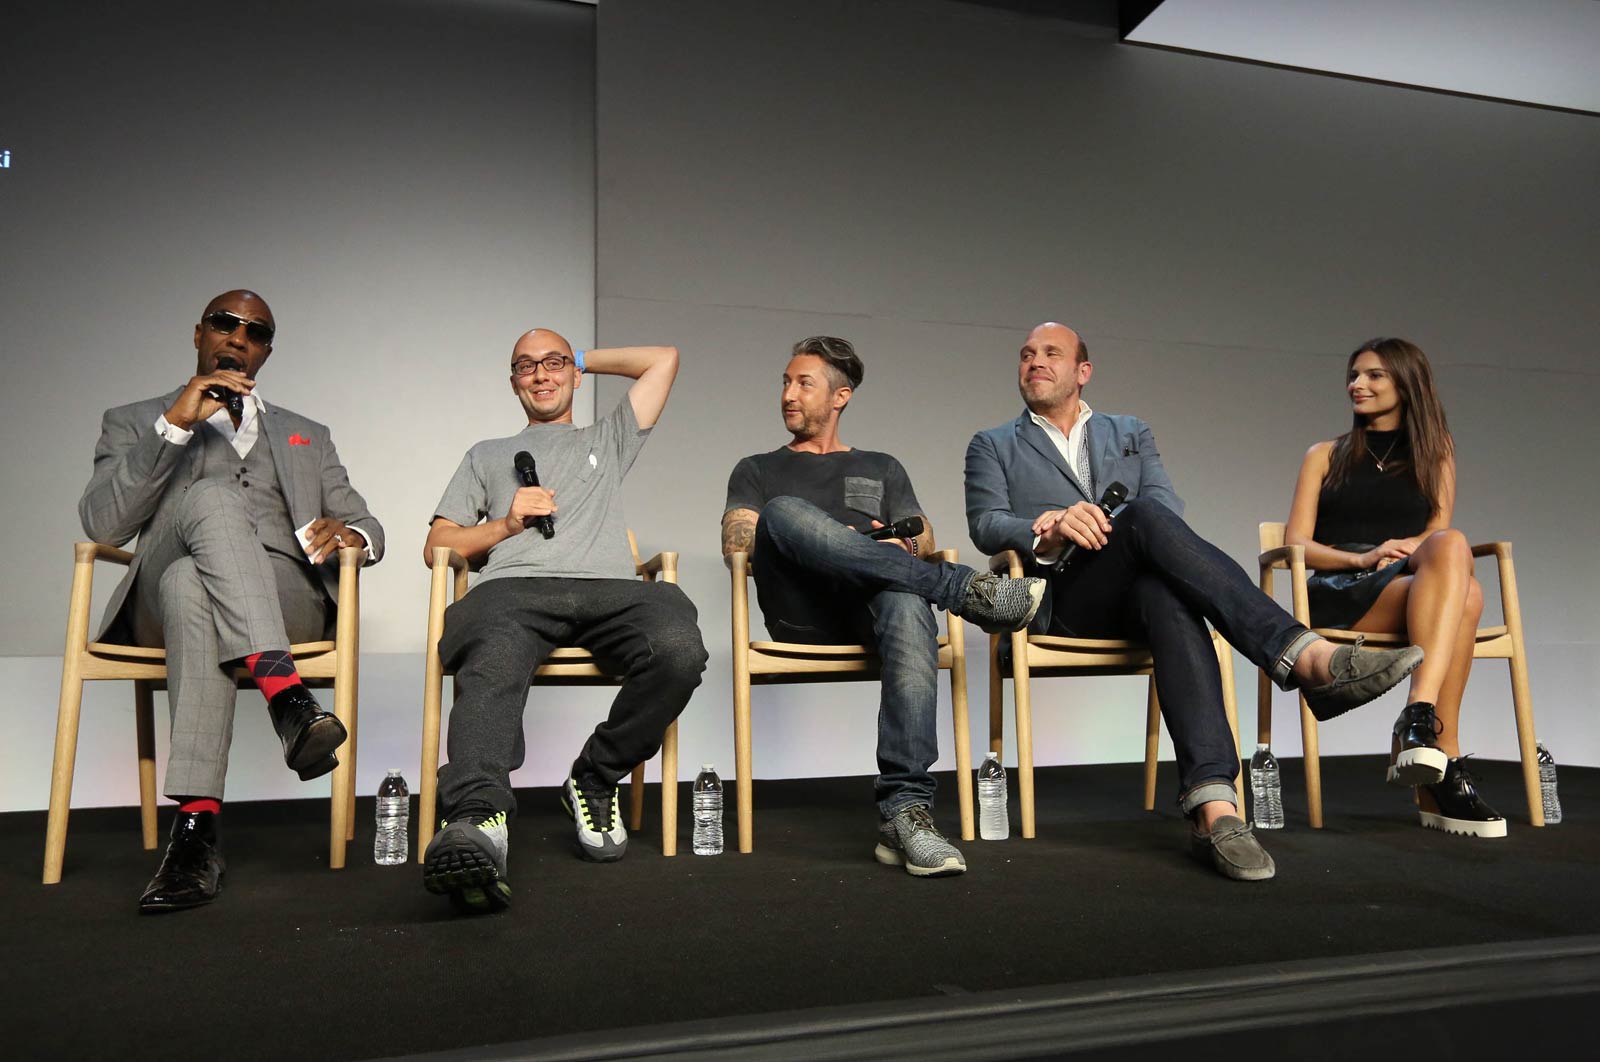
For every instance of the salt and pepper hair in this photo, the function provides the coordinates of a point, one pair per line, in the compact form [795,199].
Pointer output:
[844,367]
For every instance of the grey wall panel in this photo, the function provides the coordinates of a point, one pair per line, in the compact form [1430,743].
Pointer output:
[929,180]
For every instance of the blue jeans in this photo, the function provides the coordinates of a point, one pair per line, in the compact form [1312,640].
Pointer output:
[1157,581]
[820,583]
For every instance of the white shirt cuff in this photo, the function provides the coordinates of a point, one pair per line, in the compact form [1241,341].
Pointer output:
[172,433]
[366,542]
[1046,558]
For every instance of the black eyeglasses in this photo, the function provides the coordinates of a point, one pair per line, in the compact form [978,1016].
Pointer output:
[226,322]
[552,364]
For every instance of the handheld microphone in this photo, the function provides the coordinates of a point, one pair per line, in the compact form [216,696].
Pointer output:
[530,478]
[1115,494]
[910,527]
[233,400]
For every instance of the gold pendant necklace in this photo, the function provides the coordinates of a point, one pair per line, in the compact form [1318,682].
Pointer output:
[1380,460]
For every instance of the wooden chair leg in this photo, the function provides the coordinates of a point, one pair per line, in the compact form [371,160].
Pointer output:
[963,728]
[669,790]
[1023,694]
[1230,705]
[341,801]
[428,780]
[354,745]
[1152,744]
[636,800]
[1308,741]
[55,831]
[144,721]
[743,758]
[997,722]
[1527,742]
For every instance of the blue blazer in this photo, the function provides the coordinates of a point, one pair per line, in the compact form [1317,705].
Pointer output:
[1014,473]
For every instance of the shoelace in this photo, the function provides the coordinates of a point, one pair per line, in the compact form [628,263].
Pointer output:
[1349,661]
[1427,717]
[921,820]
[598,808]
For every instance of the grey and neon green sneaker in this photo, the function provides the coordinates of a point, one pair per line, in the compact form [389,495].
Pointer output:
[466,861]
[911,840]
[600,834]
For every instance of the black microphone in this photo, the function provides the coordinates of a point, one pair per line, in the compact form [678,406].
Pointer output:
[230,398]
[530,478]
[910,527]
[1110,502]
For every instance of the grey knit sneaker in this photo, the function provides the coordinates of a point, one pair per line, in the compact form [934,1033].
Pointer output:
[1359,675]
[1000,605]
[466,861]
[601,836]
[1231,847]
[911,840]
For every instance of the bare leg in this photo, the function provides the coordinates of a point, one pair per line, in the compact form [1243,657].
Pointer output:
[1430,607]
[1448,706]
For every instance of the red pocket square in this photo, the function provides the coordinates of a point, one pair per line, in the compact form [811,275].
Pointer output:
[299,440]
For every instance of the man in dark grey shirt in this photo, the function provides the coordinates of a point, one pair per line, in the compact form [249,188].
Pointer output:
[798,509]
[553,575]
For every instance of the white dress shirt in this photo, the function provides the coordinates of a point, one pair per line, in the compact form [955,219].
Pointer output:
[1074,449]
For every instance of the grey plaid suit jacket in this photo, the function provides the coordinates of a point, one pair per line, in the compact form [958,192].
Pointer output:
[139,479]
[1014,473]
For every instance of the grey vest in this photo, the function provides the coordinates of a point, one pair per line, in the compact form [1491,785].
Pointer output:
[257,479]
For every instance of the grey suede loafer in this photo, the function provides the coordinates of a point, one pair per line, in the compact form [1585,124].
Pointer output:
[1359,675]
[1232,848]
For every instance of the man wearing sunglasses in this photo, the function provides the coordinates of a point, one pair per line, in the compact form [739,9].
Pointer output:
[557,570]
[240,509]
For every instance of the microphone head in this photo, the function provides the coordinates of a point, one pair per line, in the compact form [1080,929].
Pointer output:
[910,527]
[1115,494]
[523,461]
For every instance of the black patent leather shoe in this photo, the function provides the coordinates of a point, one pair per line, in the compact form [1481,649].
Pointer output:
[191,871]
[1413,757]
[309,734]
[1454,805]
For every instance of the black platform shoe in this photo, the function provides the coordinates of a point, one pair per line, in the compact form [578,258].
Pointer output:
[308,733]
[191,871]
[1454,805]
[1413,758]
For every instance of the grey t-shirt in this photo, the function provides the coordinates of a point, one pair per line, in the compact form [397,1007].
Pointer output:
[584,467]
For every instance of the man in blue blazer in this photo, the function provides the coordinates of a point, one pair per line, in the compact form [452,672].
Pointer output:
[1031,486]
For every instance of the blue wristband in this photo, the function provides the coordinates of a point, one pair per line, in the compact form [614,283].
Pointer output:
[577,359]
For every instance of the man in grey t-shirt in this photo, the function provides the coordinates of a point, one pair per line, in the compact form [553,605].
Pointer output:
[554,574]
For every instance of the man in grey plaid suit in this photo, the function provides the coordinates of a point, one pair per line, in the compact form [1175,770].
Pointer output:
[239,508]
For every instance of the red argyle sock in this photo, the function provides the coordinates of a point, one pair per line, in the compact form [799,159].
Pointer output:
[193,804]
[273,671]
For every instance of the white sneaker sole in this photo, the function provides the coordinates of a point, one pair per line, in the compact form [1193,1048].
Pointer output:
[1419,766]
[1466,827]
[891,857]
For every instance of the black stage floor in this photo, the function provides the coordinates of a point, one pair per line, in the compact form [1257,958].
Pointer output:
[297,961]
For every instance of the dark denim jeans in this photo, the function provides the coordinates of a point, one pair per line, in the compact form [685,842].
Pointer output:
[1158,582]
[818,582]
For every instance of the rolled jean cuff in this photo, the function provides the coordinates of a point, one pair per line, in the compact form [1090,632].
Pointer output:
[1285,662]
[1208,791]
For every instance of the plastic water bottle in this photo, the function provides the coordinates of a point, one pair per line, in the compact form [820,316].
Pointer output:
[994,820]
[392,844]
[1266,790]
[1547,786]
[707,811]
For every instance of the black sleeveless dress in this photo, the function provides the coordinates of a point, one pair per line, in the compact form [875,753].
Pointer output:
[1368,508]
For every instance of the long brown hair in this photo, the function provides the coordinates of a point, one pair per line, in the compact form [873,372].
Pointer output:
[1422,420]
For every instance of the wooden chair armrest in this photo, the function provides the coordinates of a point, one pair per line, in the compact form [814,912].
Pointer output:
[938,555]
[739,564]
[1282,557]
[1009,563]
[87,552]
[444,555]
[1492,549]
[664,564]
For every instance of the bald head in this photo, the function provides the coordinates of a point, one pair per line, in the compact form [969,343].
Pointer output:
[240,299]
[236,326]
[1053,370]
[544,376]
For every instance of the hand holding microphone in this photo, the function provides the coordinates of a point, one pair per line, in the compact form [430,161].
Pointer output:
[232,400]
[1076,524]
[529,476]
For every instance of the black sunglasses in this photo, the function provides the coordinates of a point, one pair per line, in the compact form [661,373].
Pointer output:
[227,323]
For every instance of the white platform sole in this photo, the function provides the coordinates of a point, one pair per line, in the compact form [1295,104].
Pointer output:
[1419,766]
[1466,827]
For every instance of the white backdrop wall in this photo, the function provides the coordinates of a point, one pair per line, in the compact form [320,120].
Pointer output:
[930,180]
[409,184]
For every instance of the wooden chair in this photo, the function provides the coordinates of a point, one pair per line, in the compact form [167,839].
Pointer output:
[1495,643]
[320,664]
[772,663]
[1047,656]
[564,667]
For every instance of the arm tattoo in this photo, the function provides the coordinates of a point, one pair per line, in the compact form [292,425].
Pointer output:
[738,532]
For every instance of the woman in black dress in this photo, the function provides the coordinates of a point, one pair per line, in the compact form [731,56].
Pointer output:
[1372,509]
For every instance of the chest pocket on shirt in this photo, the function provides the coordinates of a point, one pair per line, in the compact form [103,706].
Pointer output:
[864,496]
[589,466]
